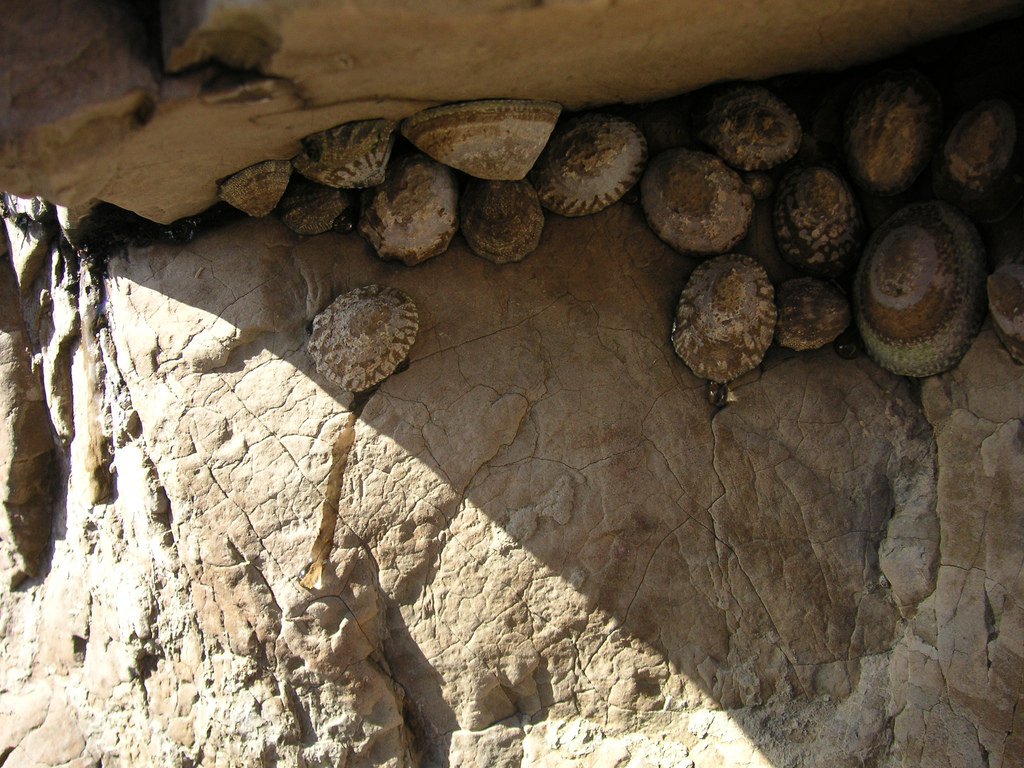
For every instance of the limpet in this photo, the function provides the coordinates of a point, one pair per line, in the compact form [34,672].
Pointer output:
[501,220]
[413,215]
[590,162]
[1006,303]
[812,313]
[256,190]
[695,202]
[308,208]
[362,337]
[498,139]
[919,293]
[349,156]
[749,127]
[725,318]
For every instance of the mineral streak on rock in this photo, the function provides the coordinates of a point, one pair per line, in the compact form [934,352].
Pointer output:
[818,224]
[1006,303]
[749,127]
[309,208]
[725,318]
[978,168]
[812,313]
[353,155]
[413,215]
[501,220]
[891,128]
[589,163]
[919,295]
[496,139]
[257,189]
[362,337]
[695,202]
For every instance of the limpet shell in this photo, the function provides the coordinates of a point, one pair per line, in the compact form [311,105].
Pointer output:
[812,313]
[501,220]
[1006,303]
[749,127]
[308,208]
[725,318]
[498,139]
[978,167]
[256,190]
[818,224]
[890,130]
[590,162]
[349,156]
[695,202]
[919,294]
[362,337]
[413,215]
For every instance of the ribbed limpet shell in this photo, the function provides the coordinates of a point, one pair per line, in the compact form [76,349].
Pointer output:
[1006,303]
[919,294]
[725,318]
[818,224]
[498,139]
[308,208]
[362,337]
[348,156]
[501,220]
[749,127]
[812,313]
[590,162]
[256,190]
[891,128]
[695,202]
[413,215]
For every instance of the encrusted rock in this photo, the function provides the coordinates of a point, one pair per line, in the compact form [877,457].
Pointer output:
[497,139]
[413,215]
[749,127]
[725,318]
[257,189]
[353,155]
[1006,303]
[590,162]
[501,220]
[308,208]
[695,202]
[812,313]
[919,294]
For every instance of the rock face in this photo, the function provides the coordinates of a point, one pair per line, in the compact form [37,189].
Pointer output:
[537,545]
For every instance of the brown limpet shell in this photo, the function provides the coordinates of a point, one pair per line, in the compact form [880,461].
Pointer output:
[348,156]
[257,189]
[363,336]
[590,162]
[978,168]
[818,224]
[501,220]
[413,215]
[725,319]
[812,313]
[761,184]
[695,202]
[891,128]
[749,127]
[1006,303]
[308,208]
[497,139]
[919,293]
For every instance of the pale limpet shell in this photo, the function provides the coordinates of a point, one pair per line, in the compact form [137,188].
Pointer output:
[812,313]
[590,162]
[349,156]
[749,127]
[725,319]
[1006,303]
[363,336]
[308,208]
[497,139]
[257,189]
[695,202]
[413,215]
[501,220]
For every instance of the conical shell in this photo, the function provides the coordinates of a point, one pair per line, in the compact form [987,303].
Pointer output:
[919,294]
[499,139]
[361,338]
[308,208]
[695,202]
[726,318]
[749,127]
[590,162]
[1006,303]
[349,156]
[812,313]
[256,190]
[413,215]
[501,220]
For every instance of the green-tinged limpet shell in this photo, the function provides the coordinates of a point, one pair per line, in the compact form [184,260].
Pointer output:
[308,208]
[749,127]
[1006,303]
[497,139]
[256,190]
[919,294]
[501,220]
[812,313]
[362,337]
[349,156]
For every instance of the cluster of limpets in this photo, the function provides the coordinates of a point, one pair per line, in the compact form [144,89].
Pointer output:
[916,285]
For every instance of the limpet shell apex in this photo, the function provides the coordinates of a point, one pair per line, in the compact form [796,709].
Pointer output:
[749,127]
[348,156]
[256,190]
